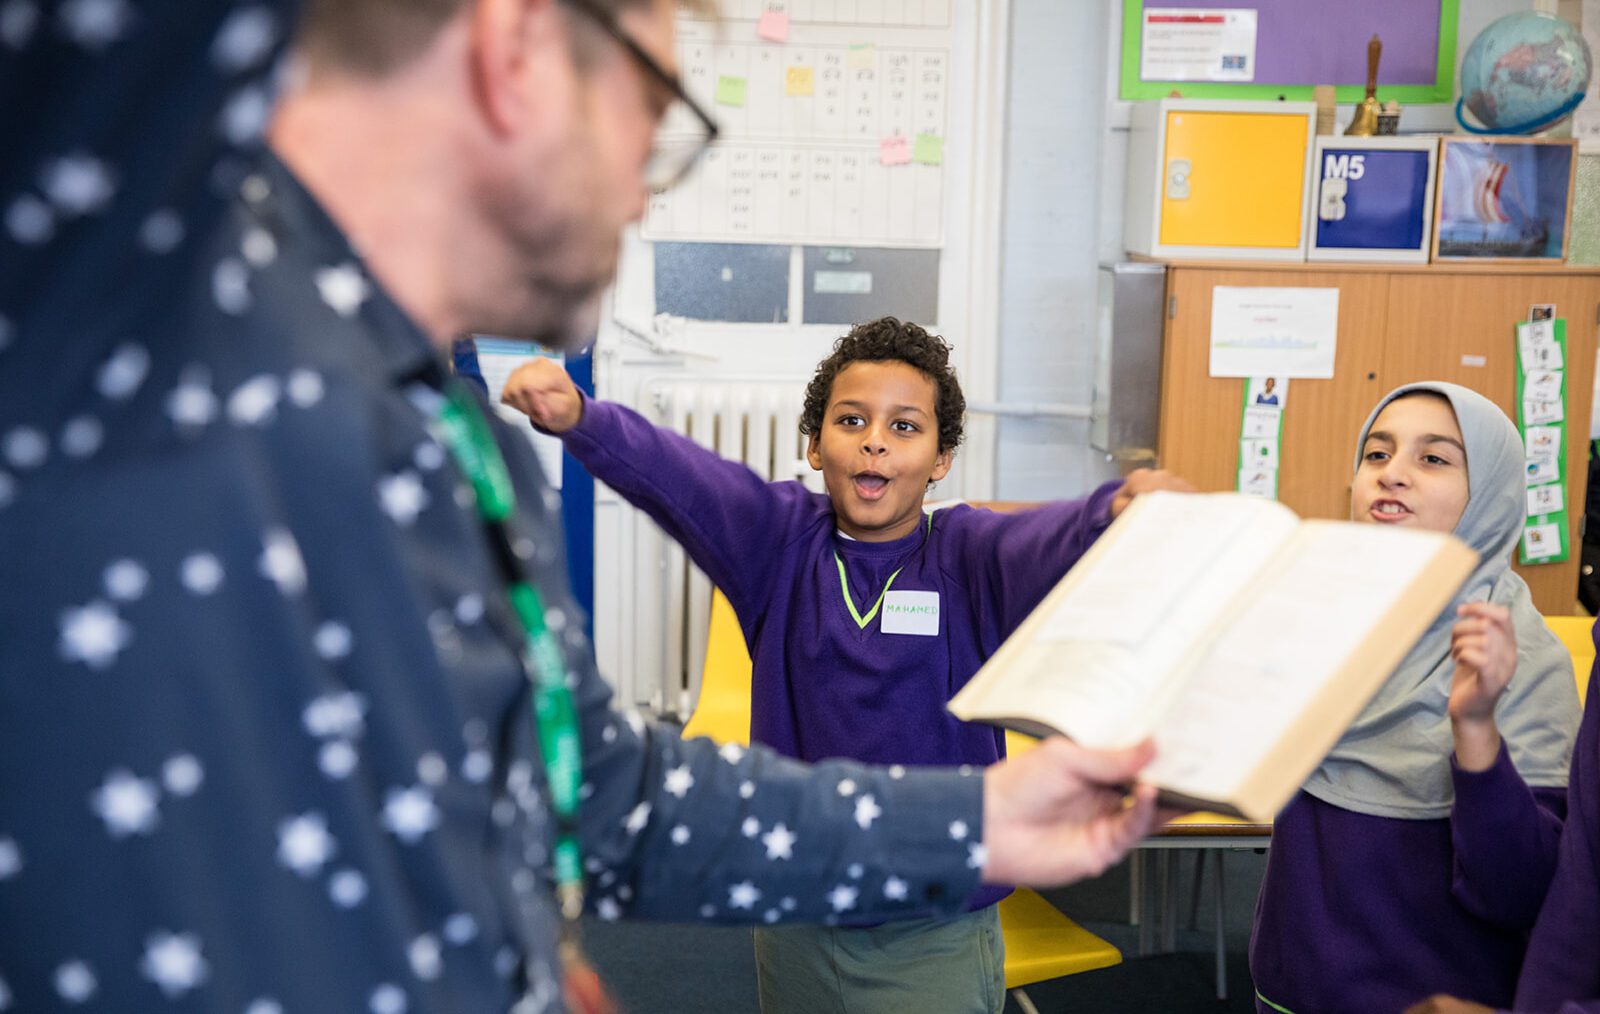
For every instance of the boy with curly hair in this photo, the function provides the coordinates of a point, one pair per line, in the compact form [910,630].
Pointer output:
[864,615]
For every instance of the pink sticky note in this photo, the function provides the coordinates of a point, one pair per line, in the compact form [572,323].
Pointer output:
[895,150]
[774,26]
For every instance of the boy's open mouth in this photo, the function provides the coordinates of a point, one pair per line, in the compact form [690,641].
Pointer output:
[870,485]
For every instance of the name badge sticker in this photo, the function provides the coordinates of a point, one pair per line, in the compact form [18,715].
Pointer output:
[910,612]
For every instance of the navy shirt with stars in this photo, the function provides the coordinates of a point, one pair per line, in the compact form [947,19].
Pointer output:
[265,744]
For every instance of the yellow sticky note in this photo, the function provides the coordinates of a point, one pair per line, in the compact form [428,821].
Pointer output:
[800,81]
[929,149]
[862,56]
[730,90]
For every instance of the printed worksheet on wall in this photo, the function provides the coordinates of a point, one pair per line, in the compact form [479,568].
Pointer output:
[833,116]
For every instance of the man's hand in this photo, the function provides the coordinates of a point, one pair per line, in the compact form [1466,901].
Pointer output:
[1146,480]
[1442,1004]
[1484,646]
[1061,813]
[541,390]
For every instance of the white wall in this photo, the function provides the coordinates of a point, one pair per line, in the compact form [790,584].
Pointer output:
[1065,146]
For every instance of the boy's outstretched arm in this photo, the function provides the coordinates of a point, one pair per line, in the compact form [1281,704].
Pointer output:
[731,522]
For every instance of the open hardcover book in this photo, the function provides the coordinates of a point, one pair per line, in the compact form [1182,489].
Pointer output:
[1241,638]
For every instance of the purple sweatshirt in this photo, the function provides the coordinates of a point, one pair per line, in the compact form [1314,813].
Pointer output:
[1562,970]
[1373,914]
[824,685]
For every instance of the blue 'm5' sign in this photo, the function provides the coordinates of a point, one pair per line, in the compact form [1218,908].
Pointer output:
[1372,199]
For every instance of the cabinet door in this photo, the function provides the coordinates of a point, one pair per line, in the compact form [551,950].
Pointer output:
[1462,328]
[1201,414]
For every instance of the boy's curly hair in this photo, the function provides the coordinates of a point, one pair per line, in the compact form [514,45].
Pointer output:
[887,340]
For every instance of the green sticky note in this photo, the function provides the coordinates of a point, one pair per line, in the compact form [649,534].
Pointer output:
[730,90]
[929,150]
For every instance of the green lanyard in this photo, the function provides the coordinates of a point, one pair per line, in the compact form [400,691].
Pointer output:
[467,435]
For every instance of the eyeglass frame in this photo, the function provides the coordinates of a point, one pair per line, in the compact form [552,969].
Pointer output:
[608,23]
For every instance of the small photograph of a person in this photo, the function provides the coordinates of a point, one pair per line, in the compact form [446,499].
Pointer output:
[1268,394]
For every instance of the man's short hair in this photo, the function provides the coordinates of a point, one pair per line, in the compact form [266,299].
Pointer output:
[375,37]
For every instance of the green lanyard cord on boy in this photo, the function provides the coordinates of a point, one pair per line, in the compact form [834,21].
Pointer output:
[467,435]
[844,584]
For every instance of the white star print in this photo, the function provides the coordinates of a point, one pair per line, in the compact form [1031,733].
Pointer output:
[201,573]
[172,961]
[428,456]
[192,405]
[708,911]
[93,634]
[679,781]
[343,288]
[257,247]
[608,734]
[10,859]
[680,835]
[305,388]
[637,818]
[426,961]
[958,829]
[461,929]
[431,769]
[244,117]
[244,39]
[337,759]
[127,804]
[788,904]
[410,813]
[476,766]
[76,982]
[772,915]
[608,909]
[281,563]
[847,787]
[743,895]
[162,231]
[843,897]
[26,447]
[30,221]
[402,496]
[750,828]
[304,844]
[230,286]
[977,856]
[182,774]
[867,811]
[855,870]
[126,580]
[82,436]
[894,889]
[966,771]
[255,402]
[124,372]
[747,789]
[332,640]
[347,888]
[469,608]
[387,999]
[17,22]
[733,753]
[77,184]
[95,24]
[5,991]
[779,842]
[896,772]
[264,1005]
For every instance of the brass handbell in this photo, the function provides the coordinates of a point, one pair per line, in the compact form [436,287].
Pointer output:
[1365,122]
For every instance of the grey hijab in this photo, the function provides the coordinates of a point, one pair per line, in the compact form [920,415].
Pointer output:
[1394,761]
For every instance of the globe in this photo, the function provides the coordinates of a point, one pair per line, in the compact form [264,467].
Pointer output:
[1524,73]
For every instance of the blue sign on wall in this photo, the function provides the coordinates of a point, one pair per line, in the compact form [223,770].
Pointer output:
[1372,198]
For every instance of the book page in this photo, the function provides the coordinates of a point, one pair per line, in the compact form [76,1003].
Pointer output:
[1332,584]
[1096,661]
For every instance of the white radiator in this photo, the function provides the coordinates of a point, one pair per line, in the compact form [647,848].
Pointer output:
[663,649]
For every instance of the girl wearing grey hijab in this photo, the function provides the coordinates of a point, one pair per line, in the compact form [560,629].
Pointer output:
[1416,857]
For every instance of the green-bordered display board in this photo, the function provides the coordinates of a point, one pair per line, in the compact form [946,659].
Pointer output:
[1298,44]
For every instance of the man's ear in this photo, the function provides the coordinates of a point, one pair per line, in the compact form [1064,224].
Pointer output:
[515,46]
[814,452]
[941,464]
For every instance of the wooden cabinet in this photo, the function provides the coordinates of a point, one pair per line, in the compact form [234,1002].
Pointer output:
[1397,324]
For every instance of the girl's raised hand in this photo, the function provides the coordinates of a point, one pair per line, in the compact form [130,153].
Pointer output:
[1484,646]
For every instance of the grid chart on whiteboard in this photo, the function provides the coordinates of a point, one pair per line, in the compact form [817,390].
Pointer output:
[802,164]
[888,13]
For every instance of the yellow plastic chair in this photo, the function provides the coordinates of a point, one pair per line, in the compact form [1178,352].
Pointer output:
[1574,633]
[1040,942]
